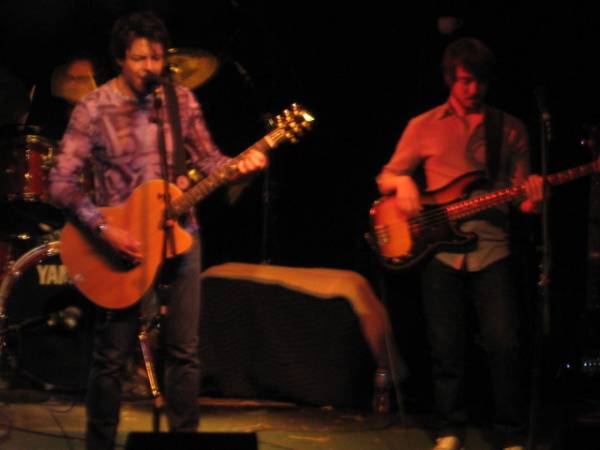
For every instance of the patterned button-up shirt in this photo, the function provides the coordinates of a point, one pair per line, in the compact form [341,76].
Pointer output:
[447,146]
[118,137]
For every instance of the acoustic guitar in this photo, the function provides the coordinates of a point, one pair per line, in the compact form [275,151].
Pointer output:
[111,281]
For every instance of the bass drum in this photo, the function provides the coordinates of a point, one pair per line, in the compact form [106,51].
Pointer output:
[49,323]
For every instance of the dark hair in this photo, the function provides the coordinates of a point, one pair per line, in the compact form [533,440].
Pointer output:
[143,24]
[473,55]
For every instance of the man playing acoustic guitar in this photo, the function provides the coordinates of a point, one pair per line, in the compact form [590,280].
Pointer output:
[461,136]
[116,127]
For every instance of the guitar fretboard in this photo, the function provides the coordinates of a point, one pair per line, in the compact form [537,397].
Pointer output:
[472,206]
[224,174]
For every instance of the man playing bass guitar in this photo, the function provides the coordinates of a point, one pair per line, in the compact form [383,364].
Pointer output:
[461,136]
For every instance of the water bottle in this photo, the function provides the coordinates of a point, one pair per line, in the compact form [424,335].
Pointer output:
[381,391]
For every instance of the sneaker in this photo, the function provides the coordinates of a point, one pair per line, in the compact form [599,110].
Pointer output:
[447,443]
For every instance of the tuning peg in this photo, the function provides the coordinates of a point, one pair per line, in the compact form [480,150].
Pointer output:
[292,122]
[291,137]
[296,129]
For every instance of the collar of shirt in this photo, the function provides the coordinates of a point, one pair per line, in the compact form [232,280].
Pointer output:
[145,101]
[446,110]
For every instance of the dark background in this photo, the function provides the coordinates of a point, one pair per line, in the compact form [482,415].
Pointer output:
[362,70]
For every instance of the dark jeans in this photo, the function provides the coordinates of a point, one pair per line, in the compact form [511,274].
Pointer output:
[447,295]
[116,337]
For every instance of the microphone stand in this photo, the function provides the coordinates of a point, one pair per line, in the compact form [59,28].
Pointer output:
[266,196]
[543,285]
[168,239]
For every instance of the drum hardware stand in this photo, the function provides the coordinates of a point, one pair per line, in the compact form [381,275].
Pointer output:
[3,331]
[5,354]
[4,328]
[49,320]
[6,357]
[158,402]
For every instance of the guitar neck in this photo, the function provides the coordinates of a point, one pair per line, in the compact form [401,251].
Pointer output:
[223,174]
[467,208]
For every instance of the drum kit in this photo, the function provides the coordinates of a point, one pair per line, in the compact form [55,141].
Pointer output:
[45,323]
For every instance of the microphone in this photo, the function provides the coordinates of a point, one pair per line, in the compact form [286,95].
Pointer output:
[68,317]
[152,81]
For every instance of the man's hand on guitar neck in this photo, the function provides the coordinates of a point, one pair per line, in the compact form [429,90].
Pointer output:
[124,243]
[121,240]
[253,162]
[407,194]
[534,188]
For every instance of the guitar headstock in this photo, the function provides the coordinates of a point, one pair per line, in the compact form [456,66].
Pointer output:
[293,122]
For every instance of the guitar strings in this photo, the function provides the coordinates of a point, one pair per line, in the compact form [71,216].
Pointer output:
[440,215]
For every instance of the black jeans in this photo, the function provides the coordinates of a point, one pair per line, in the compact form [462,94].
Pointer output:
[447,294]
[116,337]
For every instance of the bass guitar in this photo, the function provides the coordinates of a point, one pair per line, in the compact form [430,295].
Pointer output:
[109,280]
[402,242]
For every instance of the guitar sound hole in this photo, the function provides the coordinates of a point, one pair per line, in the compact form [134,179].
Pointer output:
[126,262]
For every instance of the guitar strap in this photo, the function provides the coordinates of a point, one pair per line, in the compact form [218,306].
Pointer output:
[181,179]
[494,124]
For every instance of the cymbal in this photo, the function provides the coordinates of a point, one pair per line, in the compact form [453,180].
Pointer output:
[191,67]
[74,80]
[14,99]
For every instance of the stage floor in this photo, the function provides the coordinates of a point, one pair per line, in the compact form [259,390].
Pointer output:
[34,419]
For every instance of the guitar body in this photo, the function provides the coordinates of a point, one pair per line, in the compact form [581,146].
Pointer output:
[108,280]
[99,273]
[403,242]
